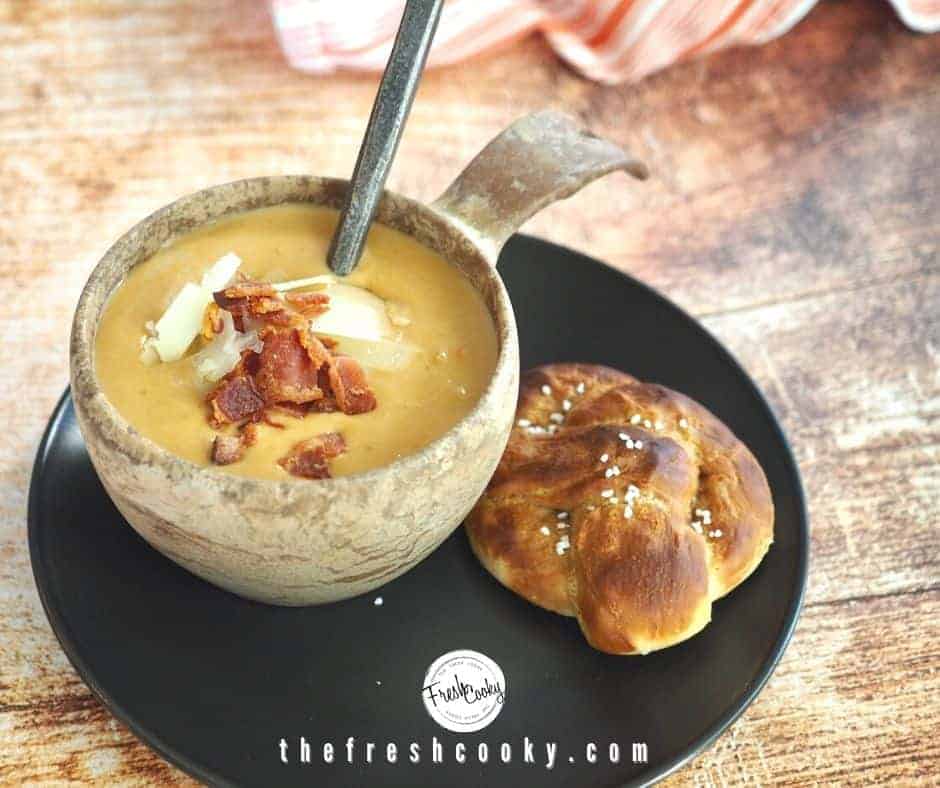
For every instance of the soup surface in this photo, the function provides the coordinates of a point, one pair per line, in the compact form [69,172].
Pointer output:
[449,327]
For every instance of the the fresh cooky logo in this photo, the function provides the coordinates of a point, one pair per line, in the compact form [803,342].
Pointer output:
[464,691]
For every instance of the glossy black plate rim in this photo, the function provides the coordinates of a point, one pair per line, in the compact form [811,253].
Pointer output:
[696,747]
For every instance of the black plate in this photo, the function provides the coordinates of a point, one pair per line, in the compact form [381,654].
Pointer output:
[213,682]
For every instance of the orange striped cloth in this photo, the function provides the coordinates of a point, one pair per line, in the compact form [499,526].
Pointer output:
[607,40]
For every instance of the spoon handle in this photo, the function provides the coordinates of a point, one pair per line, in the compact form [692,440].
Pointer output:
[386,124]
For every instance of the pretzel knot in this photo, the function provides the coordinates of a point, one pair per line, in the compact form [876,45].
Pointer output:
[625,504]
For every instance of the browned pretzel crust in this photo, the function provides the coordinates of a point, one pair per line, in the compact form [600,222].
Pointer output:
[622,503]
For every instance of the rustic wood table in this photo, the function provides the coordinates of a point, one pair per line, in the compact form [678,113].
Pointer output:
[795,209]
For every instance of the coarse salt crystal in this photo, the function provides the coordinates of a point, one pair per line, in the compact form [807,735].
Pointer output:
[524,423]
[623,436]
[562,515]
[606,493]
[684,424]
[647,423]
[546,390]
[628,512]
[635,418]
[557,418]
[378,601]
[638,444]
[544,530]
[566,404]
[605,457]
[580,388]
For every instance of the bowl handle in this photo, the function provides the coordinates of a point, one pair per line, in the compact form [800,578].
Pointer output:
[541,158]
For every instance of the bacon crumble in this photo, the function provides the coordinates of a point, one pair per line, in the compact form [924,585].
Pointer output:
[309,304]
[348,382]
[287,371]
[227,449]
[294,373]
[308,459]
[234,400]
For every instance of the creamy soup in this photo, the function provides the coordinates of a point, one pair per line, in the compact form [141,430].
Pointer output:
[442,320]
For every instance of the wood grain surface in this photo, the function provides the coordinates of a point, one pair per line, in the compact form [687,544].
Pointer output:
[794,208]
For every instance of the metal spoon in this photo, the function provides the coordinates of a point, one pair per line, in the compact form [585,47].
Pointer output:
[386,124]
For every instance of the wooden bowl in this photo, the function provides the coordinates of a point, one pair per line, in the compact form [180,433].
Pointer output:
[299,542]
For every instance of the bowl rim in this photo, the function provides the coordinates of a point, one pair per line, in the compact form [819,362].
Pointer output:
[103,416]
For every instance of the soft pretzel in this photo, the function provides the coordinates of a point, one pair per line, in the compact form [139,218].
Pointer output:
[625,504]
